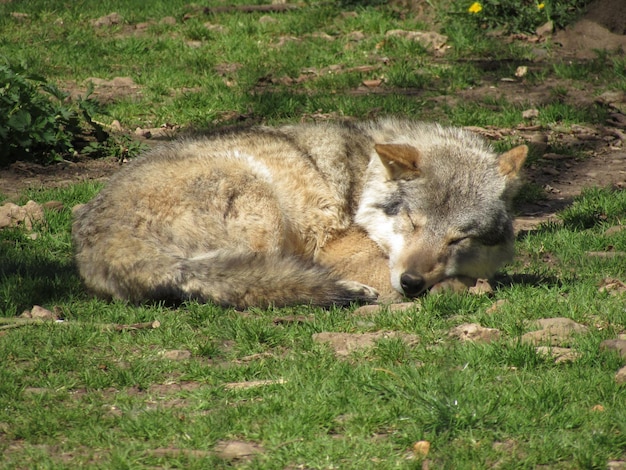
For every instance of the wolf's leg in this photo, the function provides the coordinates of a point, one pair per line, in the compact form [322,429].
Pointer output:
[356,257]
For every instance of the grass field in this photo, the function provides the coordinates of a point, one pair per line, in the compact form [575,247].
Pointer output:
[200,386]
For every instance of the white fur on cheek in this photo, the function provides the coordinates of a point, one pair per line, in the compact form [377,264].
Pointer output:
[381,229]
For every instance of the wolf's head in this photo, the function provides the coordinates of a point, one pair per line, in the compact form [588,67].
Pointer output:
[437,200]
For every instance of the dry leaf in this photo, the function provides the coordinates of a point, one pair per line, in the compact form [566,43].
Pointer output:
[372,83]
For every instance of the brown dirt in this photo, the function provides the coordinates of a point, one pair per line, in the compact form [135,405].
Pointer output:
[562,177]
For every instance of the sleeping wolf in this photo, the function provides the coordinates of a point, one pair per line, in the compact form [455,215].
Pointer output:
[301,214]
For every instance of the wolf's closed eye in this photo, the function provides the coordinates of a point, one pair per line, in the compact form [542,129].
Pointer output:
[457,241]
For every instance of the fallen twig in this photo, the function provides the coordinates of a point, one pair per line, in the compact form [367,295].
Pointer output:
[150,325]
[8,323]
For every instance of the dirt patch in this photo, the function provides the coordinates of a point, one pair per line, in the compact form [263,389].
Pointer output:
[343,344]
[602,28]
[104,91]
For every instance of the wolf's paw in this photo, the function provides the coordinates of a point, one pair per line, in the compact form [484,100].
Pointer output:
[360,291]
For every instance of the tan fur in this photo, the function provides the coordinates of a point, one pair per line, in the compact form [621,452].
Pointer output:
[321,214]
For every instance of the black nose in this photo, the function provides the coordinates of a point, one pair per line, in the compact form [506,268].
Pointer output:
[412,284]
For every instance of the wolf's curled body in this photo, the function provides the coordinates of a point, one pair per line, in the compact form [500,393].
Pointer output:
[301,214]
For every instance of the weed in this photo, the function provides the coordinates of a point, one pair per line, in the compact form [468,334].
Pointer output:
[516,16]
[35,124]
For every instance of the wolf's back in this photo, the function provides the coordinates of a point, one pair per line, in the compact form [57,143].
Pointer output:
[220,219]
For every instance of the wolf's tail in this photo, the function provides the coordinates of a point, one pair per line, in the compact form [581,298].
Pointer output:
[230,279]
[248,279]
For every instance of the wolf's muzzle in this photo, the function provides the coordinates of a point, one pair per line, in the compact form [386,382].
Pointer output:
[412,284]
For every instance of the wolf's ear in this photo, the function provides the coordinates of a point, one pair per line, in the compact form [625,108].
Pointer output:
[401,161]
[510,163]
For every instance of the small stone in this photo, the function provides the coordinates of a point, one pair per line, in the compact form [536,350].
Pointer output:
[614,230]
[482,287]
[545,29]
[145,133]
[372,83]
[19,16]
[168,20]
[496,306]
[267,19]
[554,331]
[560,355]
[609,97]
[620,377]
[455,285]
[521,71]
[12,215]
[236,450]
[612,286]
[108,20]
[618,345]
[393,307]
[428,39]
[177,355]
[39,313]
[355,36]
[475,333]
[346,343]
[530,113]
[217,28]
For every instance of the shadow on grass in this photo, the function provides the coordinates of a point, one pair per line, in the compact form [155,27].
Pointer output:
[504,281]
[29,277]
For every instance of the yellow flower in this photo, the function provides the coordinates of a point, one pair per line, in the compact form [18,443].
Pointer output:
[475,7]
[541,6]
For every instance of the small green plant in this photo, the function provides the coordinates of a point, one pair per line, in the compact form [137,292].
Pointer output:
[121,147]
[35,123]
[516,16]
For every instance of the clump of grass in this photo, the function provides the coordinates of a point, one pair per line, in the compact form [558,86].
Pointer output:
[595,206]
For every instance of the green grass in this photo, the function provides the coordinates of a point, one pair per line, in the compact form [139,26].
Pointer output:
[81,393]
[84,394]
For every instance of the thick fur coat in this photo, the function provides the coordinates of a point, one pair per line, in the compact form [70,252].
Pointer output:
[316,214]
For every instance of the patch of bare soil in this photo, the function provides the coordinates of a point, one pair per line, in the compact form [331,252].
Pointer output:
[25,175]
[603,27]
